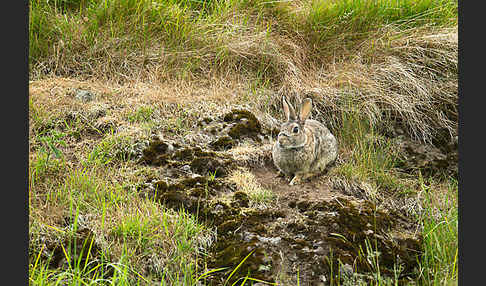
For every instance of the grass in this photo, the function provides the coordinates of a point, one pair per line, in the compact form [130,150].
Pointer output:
[439,264]
[246,182]
[142,114]
[113,148]
[158,65]
[370,156]
[124,229]
[226,36]
[356,18]
[84,271]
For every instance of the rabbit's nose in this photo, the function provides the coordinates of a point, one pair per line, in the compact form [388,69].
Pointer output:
[282,134]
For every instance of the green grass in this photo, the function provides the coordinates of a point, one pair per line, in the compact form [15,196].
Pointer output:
[142,114]
[110,150]
[357,17]
[85,270]
[367,155]
[247,183]
[197,36]
[135,231]
[439,264]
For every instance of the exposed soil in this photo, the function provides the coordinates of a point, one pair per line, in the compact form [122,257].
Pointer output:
[302,234]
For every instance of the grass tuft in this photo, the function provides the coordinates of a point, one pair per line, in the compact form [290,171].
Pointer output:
[247,183]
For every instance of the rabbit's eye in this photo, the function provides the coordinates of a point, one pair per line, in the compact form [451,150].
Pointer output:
[296,129]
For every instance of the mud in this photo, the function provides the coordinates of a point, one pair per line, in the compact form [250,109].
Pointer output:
[311,232]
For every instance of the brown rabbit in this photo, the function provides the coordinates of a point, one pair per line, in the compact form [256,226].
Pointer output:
[304,146]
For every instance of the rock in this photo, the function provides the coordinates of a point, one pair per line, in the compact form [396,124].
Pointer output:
[84,95]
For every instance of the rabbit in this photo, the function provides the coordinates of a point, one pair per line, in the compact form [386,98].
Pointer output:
[304,147]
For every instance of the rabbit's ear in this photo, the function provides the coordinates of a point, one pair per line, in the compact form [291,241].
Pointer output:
[305,109]
[288,109]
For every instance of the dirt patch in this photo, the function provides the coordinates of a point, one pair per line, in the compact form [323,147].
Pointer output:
[307,233]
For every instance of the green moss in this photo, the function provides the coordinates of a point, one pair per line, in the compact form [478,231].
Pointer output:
[240,199]
[232,254]
[157,153]
[246,124]
[222,143]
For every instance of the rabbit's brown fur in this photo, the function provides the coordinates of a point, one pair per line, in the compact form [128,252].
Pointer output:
[304,147]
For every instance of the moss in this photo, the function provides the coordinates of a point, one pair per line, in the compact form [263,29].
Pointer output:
[183,154]
[194,182]
[210,165]
[222,143]
[218,202]
[232,253]
[358,224]
[156,153]
[205,121]
[199,192]
[160,153]
[240,199]
[198,152]
[246,124]
[303,205]
[228,226]
[182,185]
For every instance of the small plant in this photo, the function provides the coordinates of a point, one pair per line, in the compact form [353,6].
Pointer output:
[50,144]
[212,176]
[42,164]
[142,114]
[111,148]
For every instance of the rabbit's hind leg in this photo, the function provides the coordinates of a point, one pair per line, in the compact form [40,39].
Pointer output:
[296,180]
